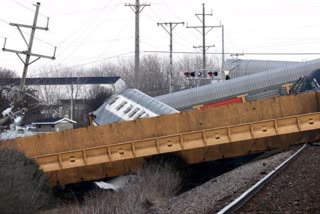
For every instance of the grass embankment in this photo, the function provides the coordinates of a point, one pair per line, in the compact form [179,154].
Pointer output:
[25,188]
[158,180]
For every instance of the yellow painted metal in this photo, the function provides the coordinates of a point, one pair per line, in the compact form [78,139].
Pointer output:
[243,97]
[287,87]
[178,142]
[226,131]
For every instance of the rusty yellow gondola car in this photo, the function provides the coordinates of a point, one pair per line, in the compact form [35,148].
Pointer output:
[227,131]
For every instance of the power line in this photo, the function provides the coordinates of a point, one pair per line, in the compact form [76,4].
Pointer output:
[83,11]
[239,54]
[108,3]
[79,34]
[182,38]
[204,47]
[4,21]
[88,63]
[85,32]
[25,7]
[28,53]
[159,17]
[170,9]
[21,5]
[41,40]
[29,34]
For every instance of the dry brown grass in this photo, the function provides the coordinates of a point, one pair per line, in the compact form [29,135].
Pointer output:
[158,180]
[24,187]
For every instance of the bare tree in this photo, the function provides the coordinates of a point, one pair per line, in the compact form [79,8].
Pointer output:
[7,73]
[97,96]
[51,94]
[4,98]
[153,79]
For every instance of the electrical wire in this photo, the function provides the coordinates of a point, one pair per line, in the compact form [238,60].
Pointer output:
[82,11]
[182,38]
[169,8]
[21,5]
[235,53]
[47,43]
[84,64]
[159,17]
[80,35]
[25,7]
[4,21]
[29,34]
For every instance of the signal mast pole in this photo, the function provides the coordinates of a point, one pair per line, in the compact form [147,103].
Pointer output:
[29,44]
[204,32]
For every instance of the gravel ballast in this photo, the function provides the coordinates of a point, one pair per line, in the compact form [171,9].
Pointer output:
[295,190]
[213,195]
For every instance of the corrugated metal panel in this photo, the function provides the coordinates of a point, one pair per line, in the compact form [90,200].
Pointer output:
[208,93]
[130,104]
[104,116]
[239,67]
[148,102]
[264,93]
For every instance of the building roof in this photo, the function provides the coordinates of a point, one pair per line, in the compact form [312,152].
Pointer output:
[52,120]
[61,81]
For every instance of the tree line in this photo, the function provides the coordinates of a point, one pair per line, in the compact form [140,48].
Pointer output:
[153,79]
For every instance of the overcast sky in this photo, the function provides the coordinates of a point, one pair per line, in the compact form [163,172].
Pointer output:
[95,31]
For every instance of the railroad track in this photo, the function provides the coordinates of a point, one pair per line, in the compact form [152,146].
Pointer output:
[239,202]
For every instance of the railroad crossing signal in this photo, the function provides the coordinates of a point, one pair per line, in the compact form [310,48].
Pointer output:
[210,73]
[199,74]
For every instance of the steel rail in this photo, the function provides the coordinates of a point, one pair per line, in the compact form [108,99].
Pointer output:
[247,195]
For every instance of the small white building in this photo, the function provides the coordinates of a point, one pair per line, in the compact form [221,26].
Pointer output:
[53,124]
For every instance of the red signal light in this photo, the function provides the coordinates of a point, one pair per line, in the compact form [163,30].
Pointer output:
[186,74]
[210,73]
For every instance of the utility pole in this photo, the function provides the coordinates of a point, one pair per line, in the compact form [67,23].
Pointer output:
[29,44]
[137,9]
[172,25]
[222,72]
[71,104]
[204,32]
[222,48]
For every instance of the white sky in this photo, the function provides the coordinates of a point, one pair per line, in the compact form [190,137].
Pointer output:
[90,31]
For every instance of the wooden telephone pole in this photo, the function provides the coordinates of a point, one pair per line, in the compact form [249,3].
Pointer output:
[204,32]
[172,25]
[29,44]
[137,9]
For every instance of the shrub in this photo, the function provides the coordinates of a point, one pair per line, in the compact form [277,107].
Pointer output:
[24,187]
[159,179]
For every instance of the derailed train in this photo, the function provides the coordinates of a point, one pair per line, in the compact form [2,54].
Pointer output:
[226,131]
